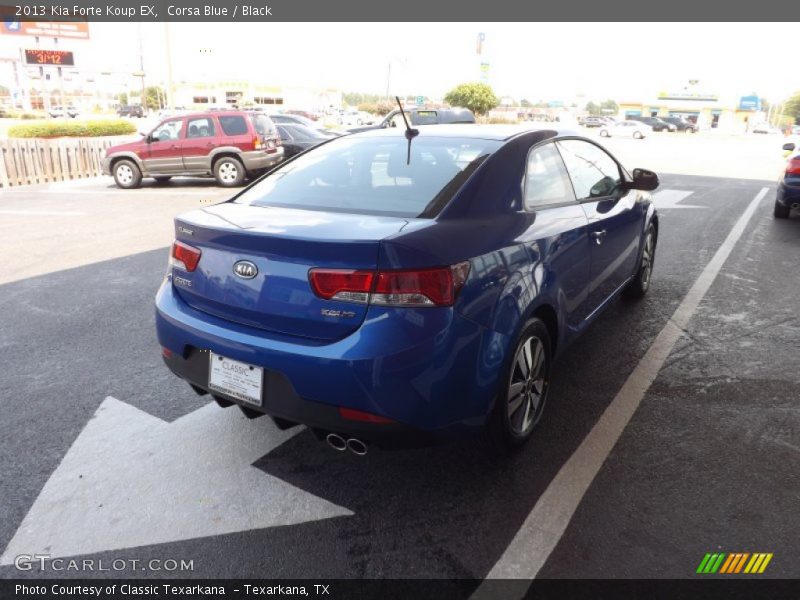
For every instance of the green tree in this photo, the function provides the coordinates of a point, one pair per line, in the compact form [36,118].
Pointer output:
[609,106]
[122,99]
[791,107]
[356,98]
[478,97]
[154,97]
[593,109]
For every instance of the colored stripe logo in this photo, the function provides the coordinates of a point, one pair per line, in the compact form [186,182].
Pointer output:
[734,562]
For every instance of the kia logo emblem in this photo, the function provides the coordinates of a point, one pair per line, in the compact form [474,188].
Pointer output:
[245,269]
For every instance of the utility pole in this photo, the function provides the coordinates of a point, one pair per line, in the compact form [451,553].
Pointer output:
[141,69]
[168,57]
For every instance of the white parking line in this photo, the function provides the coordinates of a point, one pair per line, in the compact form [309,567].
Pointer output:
[42,213]
[549,518]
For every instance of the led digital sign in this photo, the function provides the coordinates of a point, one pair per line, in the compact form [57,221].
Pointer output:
[58,58]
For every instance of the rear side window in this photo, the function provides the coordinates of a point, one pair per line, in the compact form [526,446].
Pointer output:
[233,124]
[196,128]
[593,172]
[546,179]
[373,176]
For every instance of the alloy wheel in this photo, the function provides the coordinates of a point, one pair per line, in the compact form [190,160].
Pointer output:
[647,261]
[527,386]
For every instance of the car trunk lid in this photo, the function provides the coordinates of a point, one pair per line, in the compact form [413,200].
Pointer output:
[275,248]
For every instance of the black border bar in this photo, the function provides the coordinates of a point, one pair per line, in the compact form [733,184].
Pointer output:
[404,589]
[710,11]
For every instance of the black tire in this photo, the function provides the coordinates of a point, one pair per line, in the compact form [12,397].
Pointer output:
[509,427]
[604,133]
[781,211]
[640,283]
[637,135]
[162,180]
[229,171]
[127,174]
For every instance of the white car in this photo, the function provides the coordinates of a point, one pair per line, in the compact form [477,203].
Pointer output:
[766,128]
[634,129]
[354,118]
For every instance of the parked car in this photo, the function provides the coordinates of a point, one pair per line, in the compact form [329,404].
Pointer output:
[655,123]
[681,124]
[133,110]
[396,292]
[297,138]
[765,128]
[228,145]
[304,113]
[788,195]
[283,118]
[592,122]
[633,129]
[350,118]
[422,116]
[61,111]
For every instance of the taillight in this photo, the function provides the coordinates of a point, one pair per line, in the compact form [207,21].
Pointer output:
[341,284]
[184,256]
[408,287]
[257,144]
[793,166]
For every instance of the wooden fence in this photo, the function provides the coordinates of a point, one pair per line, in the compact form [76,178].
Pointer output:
[35,160]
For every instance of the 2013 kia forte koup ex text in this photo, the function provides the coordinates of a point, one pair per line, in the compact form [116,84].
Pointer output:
[399,288]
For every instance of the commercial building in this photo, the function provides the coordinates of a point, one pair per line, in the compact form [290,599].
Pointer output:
[200,95]
[710,110]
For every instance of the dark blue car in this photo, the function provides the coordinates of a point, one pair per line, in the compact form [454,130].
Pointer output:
[397,292]
[788,196]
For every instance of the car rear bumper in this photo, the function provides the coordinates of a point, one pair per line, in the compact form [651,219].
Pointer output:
[433,373]
[255,160]
[788,194]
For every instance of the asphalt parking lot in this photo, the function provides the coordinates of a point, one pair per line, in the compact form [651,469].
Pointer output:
[107,456]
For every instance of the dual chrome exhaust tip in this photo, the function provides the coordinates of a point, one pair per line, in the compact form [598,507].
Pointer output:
[340,444]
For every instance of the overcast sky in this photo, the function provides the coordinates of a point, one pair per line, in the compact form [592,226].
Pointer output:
[530,60]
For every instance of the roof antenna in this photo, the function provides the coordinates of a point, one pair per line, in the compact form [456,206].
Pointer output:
[410,133]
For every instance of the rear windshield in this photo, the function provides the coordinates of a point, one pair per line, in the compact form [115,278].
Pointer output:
[263,125]
[371,176]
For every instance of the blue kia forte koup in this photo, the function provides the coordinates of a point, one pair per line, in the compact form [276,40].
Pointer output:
[400,287]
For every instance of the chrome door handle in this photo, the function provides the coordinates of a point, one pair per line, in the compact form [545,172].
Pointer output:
[598,236]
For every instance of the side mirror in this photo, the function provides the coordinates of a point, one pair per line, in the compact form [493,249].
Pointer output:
[644,180]
[789,147]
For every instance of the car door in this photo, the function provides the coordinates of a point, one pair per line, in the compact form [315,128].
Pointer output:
[197,144]
[560,230]
[615,217]
[163,152]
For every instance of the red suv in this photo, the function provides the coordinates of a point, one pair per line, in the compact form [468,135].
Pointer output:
[228,145]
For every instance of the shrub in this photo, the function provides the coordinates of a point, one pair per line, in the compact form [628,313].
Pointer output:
[51,129]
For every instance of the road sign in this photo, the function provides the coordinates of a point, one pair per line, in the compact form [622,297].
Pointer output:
[131,479]
[420,100]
